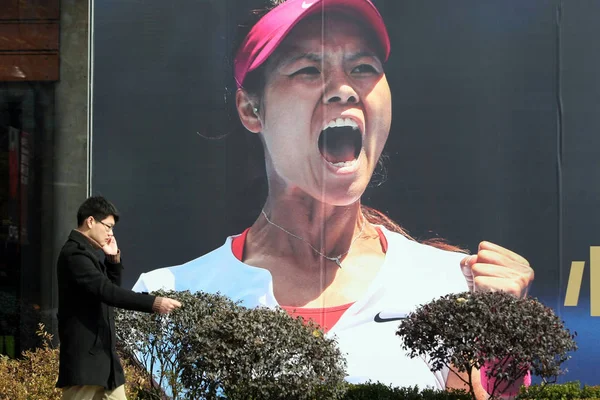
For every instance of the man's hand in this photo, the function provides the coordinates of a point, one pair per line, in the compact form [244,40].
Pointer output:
[111,248]
[495,268]
[164,305]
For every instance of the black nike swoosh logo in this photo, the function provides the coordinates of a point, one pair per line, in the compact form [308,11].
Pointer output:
[379,319]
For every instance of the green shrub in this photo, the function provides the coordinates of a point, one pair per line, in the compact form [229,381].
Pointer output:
[463,331]
[591,392]
[137,384]
[379,391]
[212,347]
[565,391]
[33,376]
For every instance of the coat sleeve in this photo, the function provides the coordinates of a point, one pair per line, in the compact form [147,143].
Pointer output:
[114,272]
[84,274]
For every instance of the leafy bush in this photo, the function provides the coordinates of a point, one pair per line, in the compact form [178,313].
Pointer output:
[565,391]
[137,385]
[379,391]
[213,347]
[34,374]
[510,335]
[590,392]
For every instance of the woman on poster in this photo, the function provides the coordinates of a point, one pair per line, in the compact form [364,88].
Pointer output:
[312,85]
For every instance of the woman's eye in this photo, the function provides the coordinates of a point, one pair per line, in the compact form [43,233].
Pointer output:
[364,69]
[307,71]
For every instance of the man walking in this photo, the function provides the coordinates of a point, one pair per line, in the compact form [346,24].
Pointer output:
[88,289]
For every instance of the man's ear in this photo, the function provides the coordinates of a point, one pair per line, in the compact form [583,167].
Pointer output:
[247,109]
[89,222]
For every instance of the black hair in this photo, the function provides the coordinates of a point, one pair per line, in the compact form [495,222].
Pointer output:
[228,115]
[97,207]
[255,80]
[244,28]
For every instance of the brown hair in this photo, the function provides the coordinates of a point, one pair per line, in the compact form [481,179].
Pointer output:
[378,218]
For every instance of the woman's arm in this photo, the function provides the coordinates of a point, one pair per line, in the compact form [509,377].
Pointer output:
[455,382]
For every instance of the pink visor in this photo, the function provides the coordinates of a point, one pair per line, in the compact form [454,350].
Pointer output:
[271,29]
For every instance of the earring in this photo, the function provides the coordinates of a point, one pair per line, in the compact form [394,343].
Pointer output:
[255,110]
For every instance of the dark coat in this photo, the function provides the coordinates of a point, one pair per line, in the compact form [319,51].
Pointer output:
[88,289]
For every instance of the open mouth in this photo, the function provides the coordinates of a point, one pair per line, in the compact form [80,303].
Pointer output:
[340,142]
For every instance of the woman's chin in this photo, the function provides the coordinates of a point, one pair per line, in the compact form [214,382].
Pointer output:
[344,195]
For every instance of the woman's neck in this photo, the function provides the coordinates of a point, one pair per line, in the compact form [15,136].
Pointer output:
[305,232]
[280,241]
[329,229]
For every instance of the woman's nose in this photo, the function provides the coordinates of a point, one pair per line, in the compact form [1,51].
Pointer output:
[338,89]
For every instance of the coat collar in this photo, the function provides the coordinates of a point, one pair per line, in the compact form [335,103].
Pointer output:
[82,241]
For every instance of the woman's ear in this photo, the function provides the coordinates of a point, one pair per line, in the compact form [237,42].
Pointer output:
[247,109]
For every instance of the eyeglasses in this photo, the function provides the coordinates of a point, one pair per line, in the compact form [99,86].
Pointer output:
[108,227]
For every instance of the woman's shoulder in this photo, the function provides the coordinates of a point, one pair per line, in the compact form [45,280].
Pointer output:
[194,275]
[216,272]
[409,245]
[416,264]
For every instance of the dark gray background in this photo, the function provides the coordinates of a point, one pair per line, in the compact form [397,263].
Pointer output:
[480,146]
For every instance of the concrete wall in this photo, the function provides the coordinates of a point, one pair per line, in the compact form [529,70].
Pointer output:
[66,186]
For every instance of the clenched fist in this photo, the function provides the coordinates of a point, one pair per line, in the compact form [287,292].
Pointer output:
[495,268]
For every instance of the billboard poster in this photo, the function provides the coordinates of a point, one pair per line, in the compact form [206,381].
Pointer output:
[342,158]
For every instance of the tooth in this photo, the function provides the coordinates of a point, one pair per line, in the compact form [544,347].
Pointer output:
[341,122]
[342,164]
